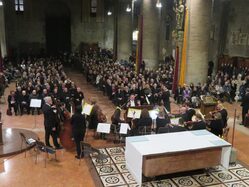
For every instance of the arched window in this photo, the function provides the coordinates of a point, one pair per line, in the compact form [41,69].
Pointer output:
[19,5]
[93,10]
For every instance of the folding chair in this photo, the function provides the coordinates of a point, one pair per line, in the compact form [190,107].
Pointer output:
[144,130]
[40,146]
[29,143]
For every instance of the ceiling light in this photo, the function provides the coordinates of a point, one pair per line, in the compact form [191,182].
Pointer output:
[128,9]
[159,4]
[109,13]
[1,3]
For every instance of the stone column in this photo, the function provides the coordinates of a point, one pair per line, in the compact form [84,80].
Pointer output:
[124,31]
[150,33]
[2,32]
[198,40]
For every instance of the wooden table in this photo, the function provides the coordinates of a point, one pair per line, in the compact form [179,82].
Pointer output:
[154,155]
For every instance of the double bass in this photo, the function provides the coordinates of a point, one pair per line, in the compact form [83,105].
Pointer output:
[66,131]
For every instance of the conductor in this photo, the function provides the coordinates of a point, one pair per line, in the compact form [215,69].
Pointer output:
[50,122]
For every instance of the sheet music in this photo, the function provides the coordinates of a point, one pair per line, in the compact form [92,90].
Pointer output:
[87,109]
[174,121]
[124,127]
[134,113]
[104,128]
[153,114]
[35,103]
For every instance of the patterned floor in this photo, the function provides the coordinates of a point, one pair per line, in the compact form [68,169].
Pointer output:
[113,172]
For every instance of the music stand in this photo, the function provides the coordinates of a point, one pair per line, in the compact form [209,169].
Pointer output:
[35,103]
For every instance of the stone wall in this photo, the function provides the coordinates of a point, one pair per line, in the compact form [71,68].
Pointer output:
[28,28]
[238,25]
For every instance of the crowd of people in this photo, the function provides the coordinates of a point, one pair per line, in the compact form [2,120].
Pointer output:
[46,80]
[40,78]
[119,81]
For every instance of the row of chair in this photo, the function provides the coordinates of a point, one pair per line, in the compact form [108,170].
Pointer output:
[38,147]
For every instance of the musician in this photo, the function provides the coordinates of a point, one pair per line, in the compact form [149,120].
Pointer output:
[116,118]
[145,120]
[12,101]
[216,125]
[50,122]
[132,102]
[221,109]
[101,119]
[66,98]
[197,123]
[245,105]
[78,129]
[187,116]
[79,96]
[162,119]
[93,118]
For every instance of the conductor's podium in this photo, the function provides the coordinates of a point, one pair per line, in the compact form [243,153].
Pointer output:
[208,104]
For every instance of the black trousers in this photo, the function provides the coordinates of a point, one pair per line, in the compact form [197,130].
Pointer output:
[244,112]
[48,133]
[78,137]
[14,105]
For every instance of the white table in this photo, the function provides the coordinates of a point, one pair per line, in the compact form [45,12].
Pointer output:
[138,147]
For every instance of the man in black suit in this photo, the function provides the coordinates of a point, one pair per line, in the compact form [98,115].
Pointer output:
[50,122]
[245,105]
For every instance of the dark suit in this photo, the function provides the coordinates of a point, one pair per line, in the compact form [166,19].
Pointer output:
[12,101]
[187,116]
[200,125]
[79,128]
[245,106]
[217,127]
[50,123]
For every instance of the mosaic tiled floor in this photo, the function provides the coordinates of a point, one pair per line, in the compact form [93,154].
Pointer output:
[113,172]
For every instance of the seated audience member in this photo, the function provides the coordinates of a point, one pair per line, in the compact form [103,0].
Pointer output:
[12,102]
[216,125]
[34,95]
[162,119]
[24,102]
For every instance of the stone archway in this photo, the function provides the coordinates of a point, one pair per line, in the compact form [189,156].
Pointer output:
[58,27]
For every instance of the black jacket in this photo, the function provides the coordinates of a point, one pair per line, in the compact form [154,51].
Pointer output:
[78,123]
[49,116]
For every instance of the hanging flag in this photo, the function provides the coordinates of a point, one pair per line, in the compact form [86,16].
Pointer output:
[184,51]
[139,50]
[176,69]
[1,60]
